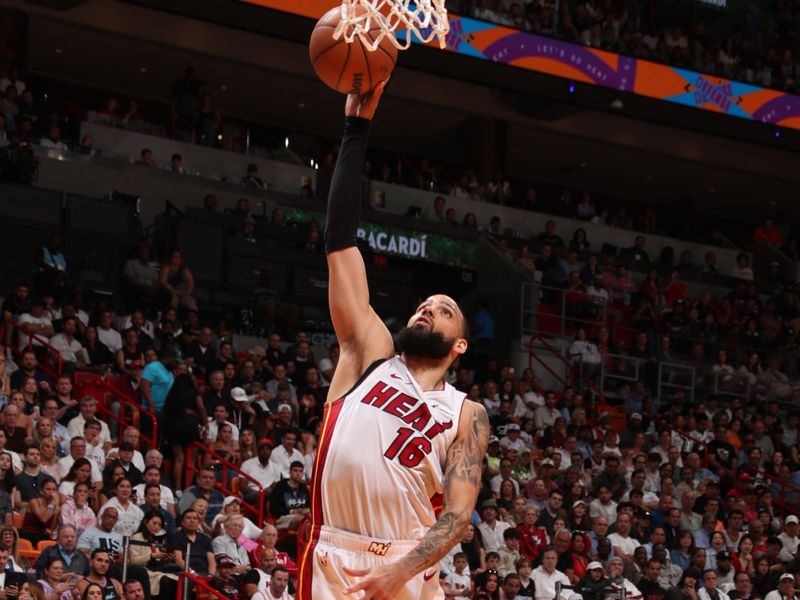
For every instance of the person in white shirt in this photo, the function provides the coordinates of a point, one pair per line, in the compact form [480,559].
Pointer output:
[131,434]
[285,454]
[506,466]
[77,449]
[709,591]
[491,529]
[545,576]
[545,416]
[88,408]
[512,440]
[785,591]
[459,579]
[617,581]
[622,543]
[227,544]
[219,419]
[152,475]
[260,468]
[94,444]
[789,539]
[603,505]
[277,588]
[106,333]
[34,324]
[65,342]
[130,515]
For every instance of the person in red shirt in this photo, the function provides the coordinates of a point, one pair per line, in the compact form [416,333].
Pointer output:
[767,234]
[531,538]
[675,289]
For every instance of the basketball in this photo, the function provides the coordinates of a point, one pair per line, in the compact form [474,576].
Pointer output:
[349,68]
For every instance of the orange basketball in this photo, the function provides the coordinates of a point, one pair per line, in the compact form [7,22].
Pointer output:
[349,68]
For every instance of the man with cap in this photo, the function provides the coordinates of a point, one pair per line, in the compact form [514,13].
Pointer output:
[493,456]
[261,469]
[285,454]
[491,529]
[224,581]
[725,570]
[710,589]
[511,440]
[592,584]
[786,589]
[125,460]
[789,539]
[284,420]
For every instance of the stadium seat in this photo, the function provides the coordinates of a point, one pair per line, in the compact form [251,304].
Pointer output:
[45,544]
[81,378]
[27,550]
[18,519]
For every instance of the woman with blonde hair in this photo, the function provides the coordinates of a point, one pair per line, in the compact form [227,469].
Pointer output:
[48,458]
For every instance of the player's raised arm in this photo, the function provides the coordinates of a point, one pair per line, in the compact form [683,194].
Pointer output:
[363,338]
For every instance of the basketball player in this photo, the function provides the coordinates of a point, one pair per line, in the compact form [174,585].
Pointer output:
[394,433]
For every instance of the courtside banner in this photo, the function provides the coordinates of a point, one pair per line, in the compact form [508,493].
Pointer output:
[500,44]
[407,243]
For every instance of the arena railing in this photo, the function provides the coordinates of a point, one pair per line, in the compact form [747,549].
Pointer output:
[196,449]
[109,393]
[52,371]
[554,311]
[788,496]
[693,440]
[674,376]
[572,373]
[184,591]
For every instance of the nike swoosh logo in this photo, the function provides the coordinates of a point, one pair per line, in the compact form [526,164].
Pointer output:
[428,576]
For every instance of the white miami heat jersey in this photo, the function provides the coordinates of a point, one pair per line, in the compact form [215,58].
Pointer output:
[383,451]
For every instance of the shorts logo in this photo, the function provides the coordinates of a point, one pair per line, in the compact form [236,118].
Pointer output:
[379,548]
[323,559]
[428,576]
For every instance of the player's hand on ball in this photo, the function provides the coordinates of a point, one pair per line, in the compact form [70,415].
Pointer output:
[364,105]
[379,583]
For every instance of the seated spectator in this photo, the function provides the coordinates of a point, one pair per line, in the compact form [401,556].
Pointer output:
[129,514]
[34,328]
[579,243]
[585,354]
[76,511]
[710,263]
[53,139]
[549,237]
[65,549]
[177,283]
[176,164]
[102,535]
[742,269]
[148,550]
[251,178]
[67,345]
[88,412]
[146,158]
[53,581]
[41,521]
[289,501]
[201,555]
[637,253]
[227,543]
[141,276]
[768,234]
[203,488]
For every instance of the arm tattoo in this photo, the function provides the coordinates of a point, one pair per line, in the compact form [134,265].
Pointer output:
[463,469]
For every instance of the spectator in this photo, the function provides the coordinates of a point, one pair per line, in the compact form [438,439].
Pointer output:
[146,159]
[53,139]
[435,213]
[177,283]
[201,556]
[549,237]
[251,178]
[768,234]
[64,550]
[742,269]
[203,488]
[289,500]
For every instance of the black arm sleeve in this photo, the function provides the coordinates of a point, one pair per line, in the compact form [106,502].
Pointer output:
[344,200]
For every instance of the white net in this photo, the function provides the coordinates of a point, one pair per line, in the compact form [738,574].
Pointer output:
[395,20]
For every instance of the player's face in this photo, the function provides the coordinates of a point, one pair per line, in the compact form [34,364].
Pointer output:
[434,331]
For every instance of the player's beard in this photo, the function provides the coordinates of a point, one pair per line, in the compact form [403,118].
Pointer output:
[417,342]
